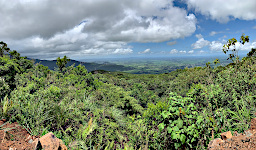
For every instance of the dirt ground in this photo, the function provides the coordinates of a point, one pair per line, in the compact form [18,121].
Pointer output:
[13,136]
[238,141]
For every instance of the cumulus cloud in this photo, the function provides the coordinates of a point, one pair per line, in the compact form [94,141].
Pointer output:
[213,33]
[201,51]
[123,51]
[245,47]
[184,52]
[200,43]
[146,51]
[172,43]
[174,51]
[199,36]
[54,27]
[72,42]
[191,52]
[218,46]
[224,11]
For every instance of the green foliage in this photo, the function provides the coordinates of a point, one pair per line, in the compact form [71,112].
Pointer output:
[183,109]
[4,87]
[182,125]
[9,68]
[231,45]
[208,65]
[6,105]
[240,117]
[14,55]
[62,62]
[216,61]
[186,78]
[3,48]
[252,52]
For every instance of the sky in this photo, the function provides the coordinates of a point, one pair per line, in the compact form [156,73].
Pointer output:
[86,29]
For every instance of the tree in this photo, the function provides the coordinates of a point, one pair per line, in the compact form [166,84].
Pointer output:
[62,62]
[231,45]
[15,55]
[252,52]
[216,61]
[3,47]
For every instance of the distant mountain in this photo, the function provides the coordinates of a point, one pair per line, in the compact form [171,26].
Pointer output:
[89,66]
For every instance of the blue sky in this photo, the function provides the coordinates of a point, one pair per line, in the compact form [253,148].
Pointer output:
[211,31]
[83,29]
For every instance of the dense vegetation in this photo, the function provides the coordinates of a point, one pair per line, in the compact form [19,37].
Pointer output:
[142,65]
[183,109]
[159,65]
[51,64]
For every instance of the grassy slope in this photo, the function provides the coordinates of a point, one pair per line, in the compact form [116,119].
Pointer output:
[112,110]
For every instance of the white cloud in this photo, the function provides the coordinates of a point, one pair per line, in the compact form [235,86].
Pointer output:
[224,10]
[172,43]
[107,26]
[200,43]
[213,33]
[253,45]
[145,51]
[246,46]
[123,51]
[201,51]
[254,27]
[73,43]
[199,36]
[216,46]
[191,52]
[174,51]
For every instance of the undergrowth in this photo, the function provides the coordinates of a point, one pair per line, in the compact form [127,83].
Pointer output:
[184,109]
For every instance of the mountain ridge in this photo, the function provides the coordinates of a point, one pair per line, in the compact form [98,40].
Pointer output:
[51,64]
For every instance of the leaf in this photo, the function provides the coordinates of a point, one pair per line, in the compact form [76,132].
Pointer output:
[161,126]
[175,136]
[177,112]
[177,145]
[182,138]
[165,114]
[179,123]
[176,128]
[169,129]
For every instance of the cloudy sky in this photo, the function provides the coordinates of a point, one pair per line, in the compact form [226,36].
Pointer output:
[83,29]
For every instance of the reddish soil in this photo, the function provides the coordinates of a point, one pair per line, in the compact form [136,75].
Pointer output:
[14,136]
[238,141]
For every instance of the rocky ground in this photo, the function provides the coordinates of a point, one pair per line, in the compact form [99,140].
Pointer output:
[239,141]
[14,137]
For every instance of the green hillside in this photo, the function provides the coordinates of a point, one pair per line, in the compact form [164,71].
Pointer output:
[51,64]
[183,109]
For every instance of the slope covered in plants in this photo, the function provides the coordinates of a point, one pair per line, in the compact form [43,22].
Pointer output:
[183,109]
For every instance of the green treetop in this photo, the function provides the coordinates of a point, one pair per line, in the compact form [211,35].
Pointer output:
[3,47]
[62,62]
